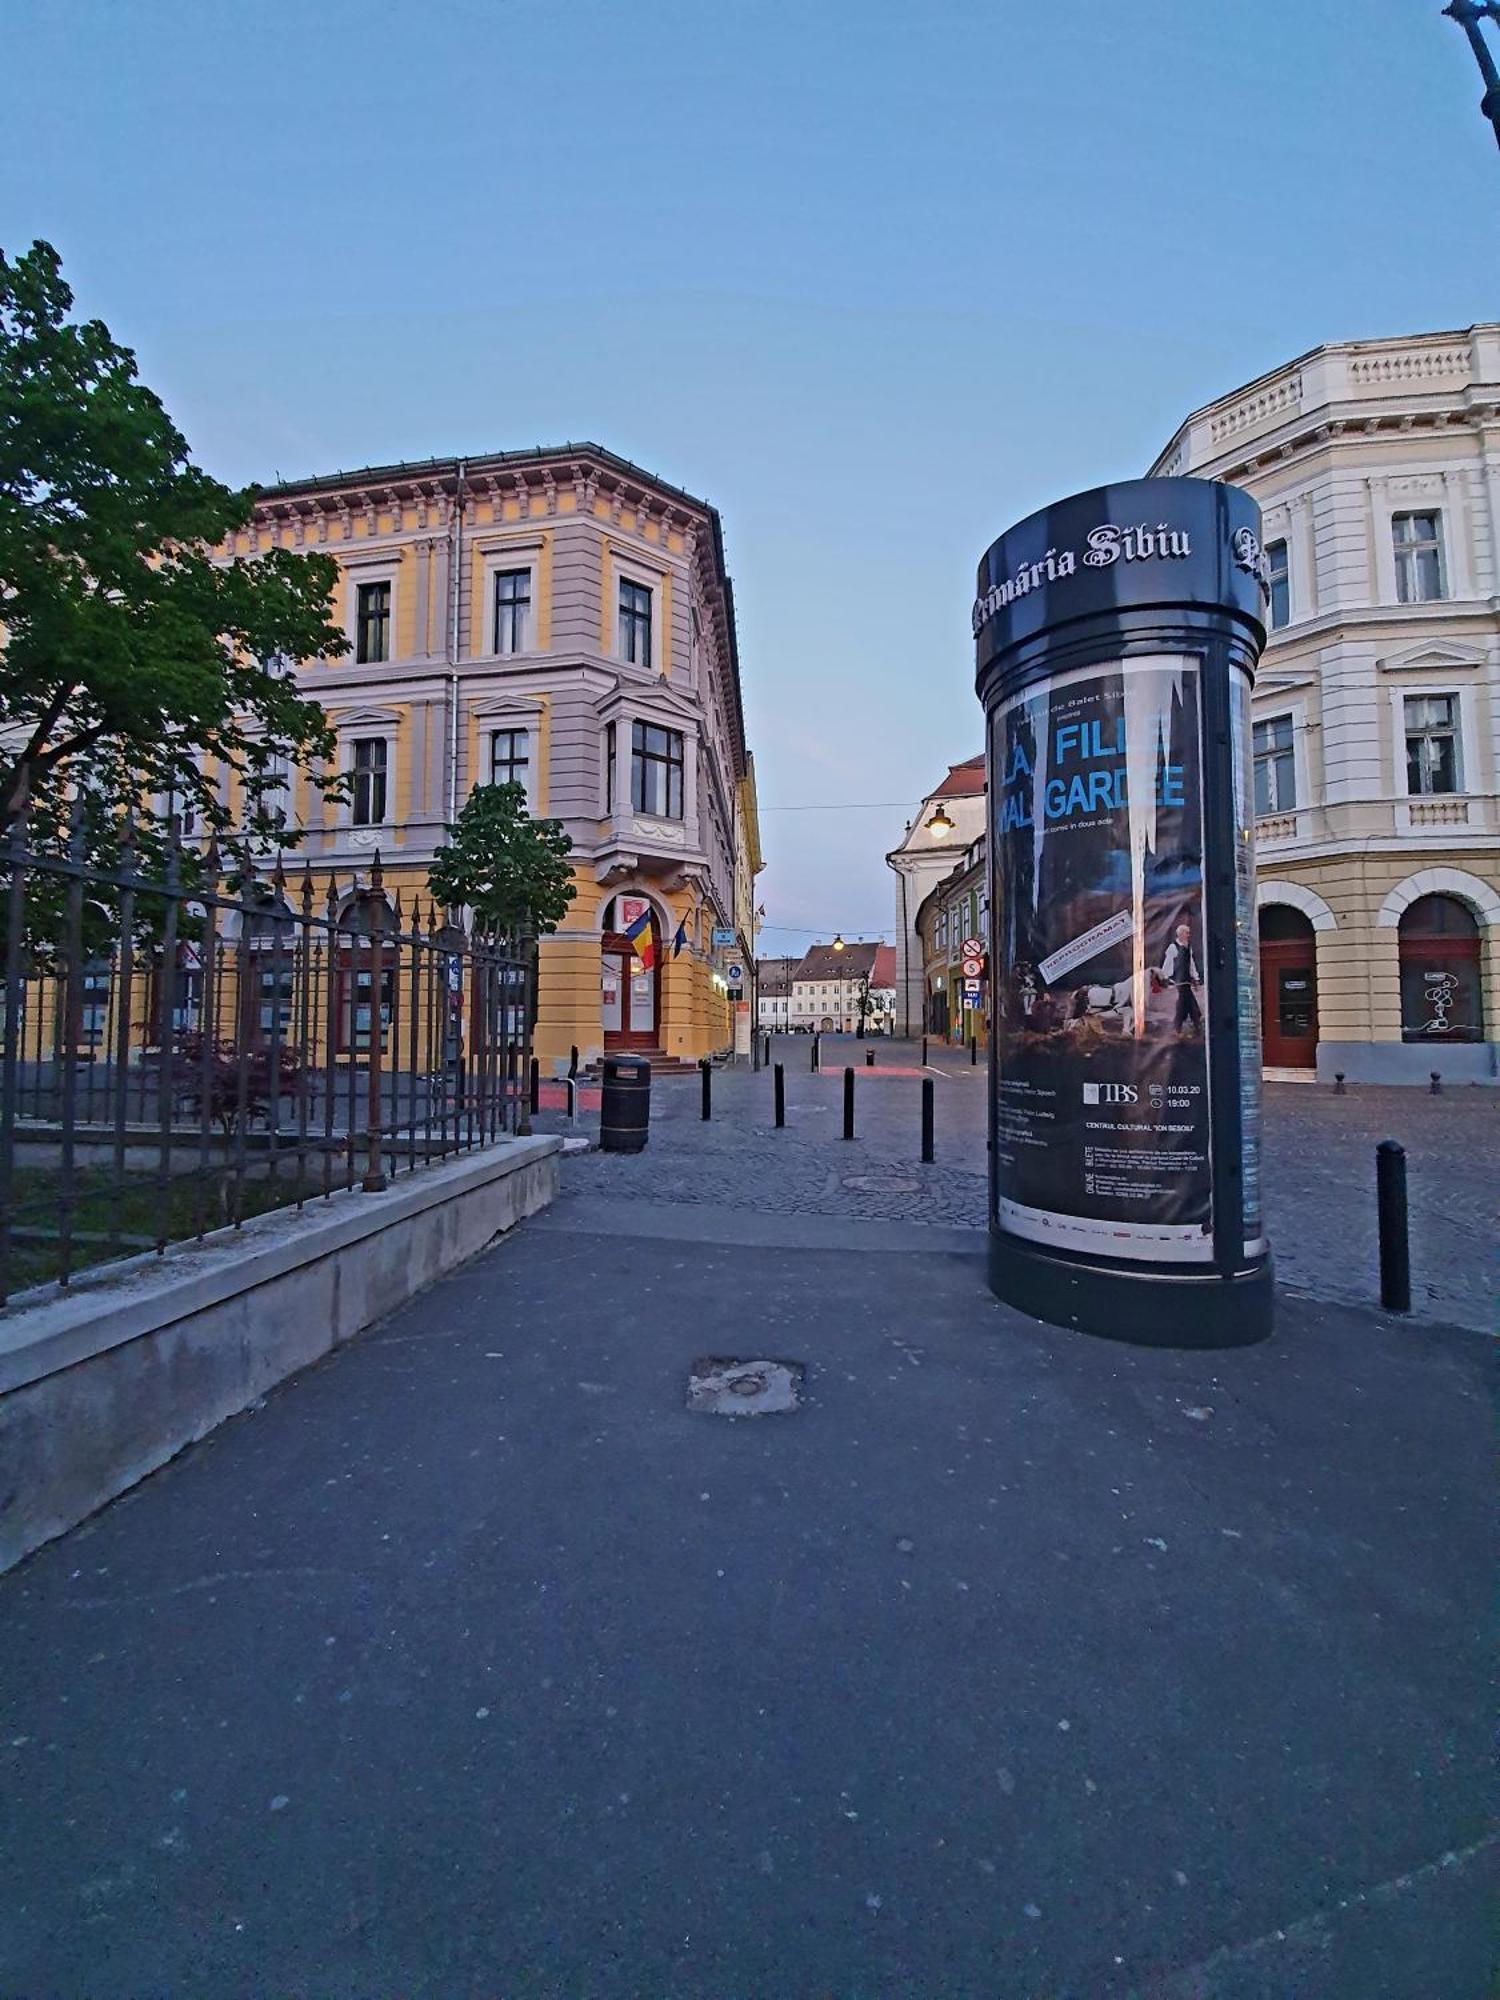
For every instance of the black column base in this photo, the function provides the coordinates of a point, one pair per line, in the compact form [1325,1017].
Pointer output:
[1145,1308]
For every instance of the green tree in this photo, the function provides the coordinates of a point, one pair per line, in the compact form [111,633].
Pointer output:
[129,653]
[510,870]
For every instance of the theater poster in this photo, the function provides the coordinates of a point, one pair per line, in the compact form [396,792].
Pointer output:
[1101,1071]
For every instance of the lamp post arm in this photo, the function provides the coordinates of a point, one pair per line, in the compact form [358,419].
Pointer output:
[1469,14]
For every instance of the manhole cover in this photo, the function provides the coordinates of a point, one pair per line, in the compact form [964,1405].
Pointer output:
[725,1388]
[881,1184]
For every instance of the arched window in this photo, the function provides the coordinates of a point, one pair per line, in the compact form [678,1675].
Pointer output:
[1441,995]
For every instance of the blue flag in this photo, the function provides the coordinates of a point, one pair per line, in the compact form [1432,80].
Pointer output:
[681,938]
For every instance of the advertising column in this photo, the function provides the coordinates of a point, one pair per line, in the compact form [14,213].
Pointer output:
[1117,635]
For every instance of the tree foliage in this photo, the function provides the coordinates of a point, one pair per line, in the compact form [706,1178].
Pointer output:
[510,870]
[129,654]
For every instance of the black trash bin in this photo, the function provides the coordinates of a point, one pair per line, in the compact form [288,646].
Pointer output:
[625,1104]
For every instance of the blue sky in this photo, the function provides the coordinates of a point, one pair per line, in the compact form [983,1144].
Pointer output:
[877,279]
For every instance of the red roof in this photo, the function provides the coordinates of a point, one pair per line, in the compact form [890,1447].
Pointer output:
[962,781]
[884,971]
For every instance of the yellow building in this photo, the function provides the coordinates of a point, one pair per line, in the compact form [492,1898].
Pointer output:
[566,620]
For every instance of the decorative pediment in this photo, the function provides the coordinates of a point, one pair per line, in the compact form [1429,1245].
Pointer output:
[1433,657]
[649,701]
[363,718]
[529,705]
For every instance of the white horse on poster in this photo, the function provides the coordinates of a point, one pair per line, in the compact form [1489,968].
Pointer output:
[1104,1009]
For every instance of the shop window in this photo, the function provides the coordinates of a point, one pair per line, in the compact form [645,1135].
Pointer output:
[1441,993]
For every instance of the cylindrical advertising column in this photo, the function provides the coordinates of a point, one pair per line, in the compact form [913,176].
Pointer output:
[1116,637]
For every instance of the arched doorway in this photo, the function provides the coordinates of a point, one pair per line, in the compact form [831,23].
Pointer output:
[1288,988]
[630,976]
[1441,992]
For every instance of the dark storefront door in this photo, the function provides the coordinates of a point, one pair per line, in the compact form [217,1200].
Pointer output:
[1288,989]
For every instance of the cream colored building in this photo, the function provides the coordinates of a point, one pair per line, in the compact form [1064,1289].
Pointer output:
[1377,707]
[566,620]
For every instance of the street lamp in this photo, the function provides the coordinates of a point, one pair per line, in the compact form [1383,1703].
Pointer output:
[1469,14]
[838,942]
[940,826]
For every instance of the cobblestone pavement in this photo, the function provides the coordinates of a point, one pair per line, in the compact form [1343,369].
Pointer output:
[1319,1165]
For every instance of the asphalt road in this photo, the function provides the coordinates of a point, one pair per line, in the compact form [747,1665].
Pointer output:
[1013,1663]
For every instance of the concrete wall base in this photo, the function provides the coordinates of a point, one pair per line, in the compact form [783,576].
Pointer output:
[102,1384]
[1409,1062]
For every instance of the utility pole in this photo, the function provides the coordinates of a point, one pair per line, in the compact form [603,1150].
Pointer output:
[1469,14]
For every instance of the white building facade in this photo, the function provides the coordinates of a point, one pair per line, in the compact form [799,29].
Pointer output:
[1377,706]
[951,817]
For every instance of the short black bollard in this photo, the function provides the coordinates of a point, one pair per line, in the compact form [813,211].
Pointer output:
[927,1093]
[706,1072]
[780,1097]
[573,1060]
[768,1051]
[536,1086]
[924,1052]
[1390,1208]
[869,1059]
[848,1103]
[1338,1083]
[1436,1084]
[812,1060]
[973,1051]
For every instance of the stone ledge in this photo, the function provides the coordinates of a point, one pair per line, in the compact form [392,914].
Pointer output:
[111,1303]
[102,1384]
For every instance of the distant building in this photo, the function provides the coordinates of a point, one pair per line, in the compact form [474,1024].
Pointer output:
[827,985]
[775,994]
[1376,728]
[924,857]
[956,912]
[883,991]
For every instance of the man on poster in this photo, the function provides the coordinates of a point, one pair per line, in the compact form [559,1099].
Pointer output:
[1179,969]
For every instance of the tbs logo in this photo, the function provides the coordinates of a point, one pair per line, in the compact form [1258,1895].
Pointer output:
[1110,1093]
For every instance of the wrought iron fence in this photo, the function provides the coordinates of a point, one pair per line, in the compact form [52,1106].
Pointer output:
[186,1047]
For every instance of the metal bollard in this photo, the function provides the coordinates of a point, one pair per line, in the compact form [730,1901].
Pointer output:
[536,1086]
[927,1096]
[1338,1083]
[1436,1084]
[848,1103]
[706,1072]
[973,1051]
[572,1083]
[1390,1208]
[924,1052]
[869,1059]
[780,1097]
[812,1061]
[573,1060]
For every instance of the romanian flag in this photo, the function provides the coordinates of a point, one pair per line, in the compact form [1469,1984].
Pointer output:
[641,941]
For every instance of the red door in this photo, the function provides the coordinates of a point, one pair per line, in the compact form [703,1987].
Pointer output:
[1288,989]
[631,991]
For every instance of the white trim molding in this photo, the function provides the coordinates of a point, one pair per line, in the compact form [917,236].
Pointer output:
[1469,889]
[1307,901]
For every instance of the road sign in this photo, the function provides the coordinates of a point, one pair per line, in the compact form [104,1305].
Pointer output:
[724,937]
[973,968]
[971,999]
[973,947]
[735,975]
[971,986]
